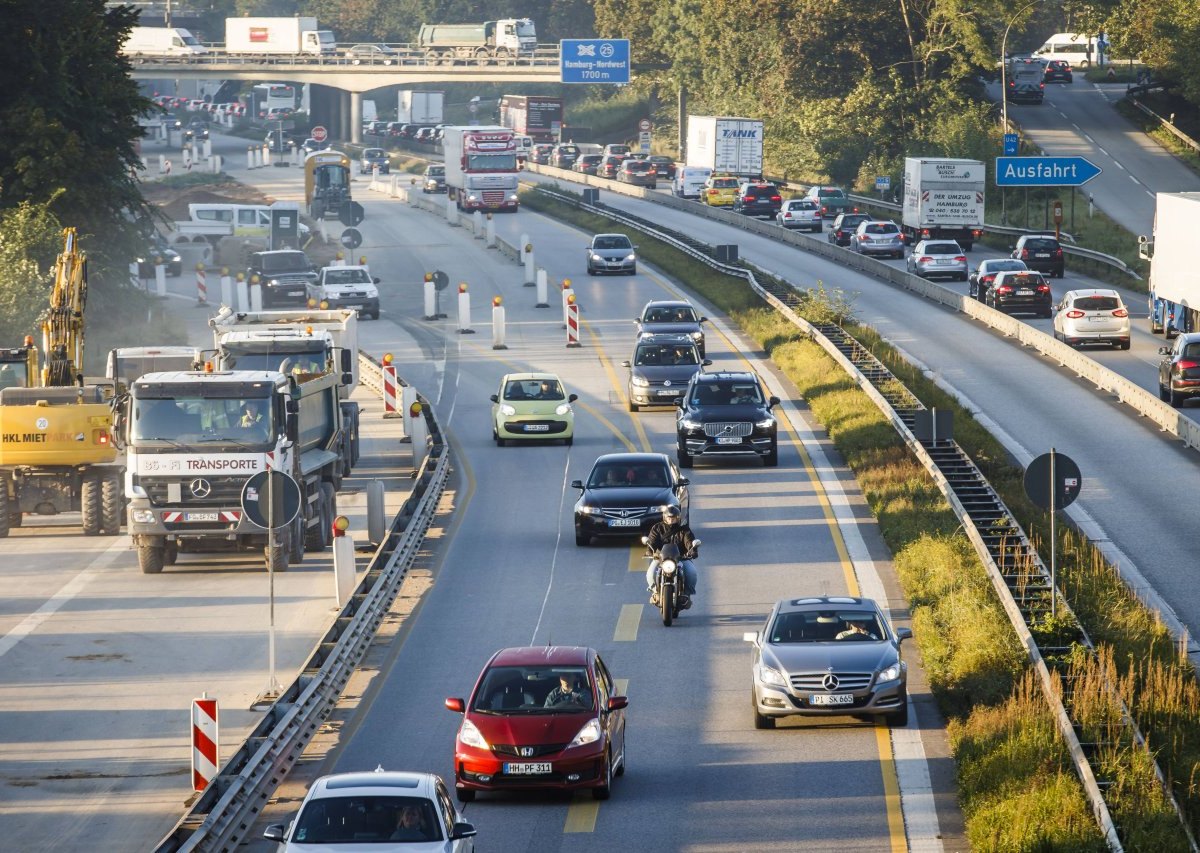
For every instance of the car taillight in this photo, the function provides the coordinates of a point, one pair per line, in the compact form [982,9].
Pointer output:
[987,279]
[962,259]
[1041,85]
[1043,288]
[924,260]
[747,198]
[1074,314]
[978,232]
[777,198]
[1187,365]
[1004,288]
[854,210]
[1120,312]
[1058,253]
[824,210]
[924,232]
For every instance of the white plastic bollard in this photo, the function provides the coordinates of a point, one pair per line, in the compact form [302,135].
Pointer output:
[343,563]
[214,164]
[498,324]
[135,280]
[521,248]
[408,396]
[418,432]
[543,298]
[207,148]
[376,525]
[243,294]
[187,159]
[249,158]
[256,297]
[451,212]
[160,279]
[530,270]
[490,236]
[430,301]
[266,155]
[162,164]
[395,191]
[477,224]
[464,310]
[226,287]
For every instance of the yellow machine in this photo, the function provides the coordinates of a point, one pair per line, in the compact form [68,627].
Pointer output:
[19,366]
[56,441]
[326,182]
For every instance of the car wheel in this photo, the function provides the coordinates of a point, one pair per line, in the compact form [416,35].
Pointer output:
[581,540]
[760,722]
[633,407]
[374,315]
[464,795]
[590,271]
[771,460]
[899,719]
[605,790]
[633,270]
[1124,344]
[500,442]
[1162,392]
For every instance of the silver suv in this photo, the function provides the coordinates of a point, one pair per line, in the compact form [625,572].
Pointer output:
[828,656]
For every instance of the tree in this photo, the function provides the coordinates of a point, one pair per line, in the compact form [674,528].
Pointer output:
[30,240]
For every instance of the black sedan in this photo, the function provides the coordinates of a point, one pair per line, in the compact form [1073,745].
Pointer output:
[157,247]
[844,226]
[625,495]
[1024,291]
[664,165]
[983,276]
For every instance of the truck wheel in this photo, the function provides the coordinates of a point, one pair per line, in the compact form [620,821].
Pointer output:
[6,513]
[112,503]
[150,559]
[90,505]
[171,553]
[277,557]
[296,540]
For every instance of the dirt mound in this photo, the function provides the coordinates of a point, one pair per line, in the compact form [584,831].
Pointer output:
[174,201]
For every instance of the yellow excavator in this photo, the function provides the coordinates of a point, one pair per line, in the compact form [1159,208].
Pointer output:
[56,432]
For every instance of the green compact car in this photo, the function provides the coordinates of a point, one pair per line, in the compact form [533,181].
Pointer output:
[532,406]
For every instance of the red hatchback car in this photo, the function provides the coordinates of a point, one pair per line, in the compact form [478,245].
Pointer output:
[540,717]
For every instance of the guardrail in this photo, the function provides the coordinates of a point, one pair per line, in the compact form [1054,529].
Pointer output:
[224,813]
[1169,125]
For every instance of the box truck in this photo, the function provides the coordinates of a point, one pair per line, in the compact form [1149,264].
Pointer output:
[943,200]
[726,144]
[420,108]
[536,116]
[278,36]
[1174,284]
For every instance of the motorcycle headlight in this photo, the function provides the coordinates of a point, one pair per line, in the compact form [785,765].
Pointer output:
[889,674]
[470,736]
[668,567]
[631,257]
[564,409]
[765,423]
[639,381]
[767,675]
[590,733]
[507,410]
[689,423]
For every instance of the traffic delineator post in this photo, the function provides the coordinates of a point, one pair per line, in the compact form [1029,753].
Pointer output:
[391,388]
[464,310]
[572,321]
[498,323]
[201,285]
[205,742]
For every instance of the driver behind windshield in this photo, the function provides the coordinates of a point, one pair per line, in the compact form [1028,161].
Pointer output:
[570,691]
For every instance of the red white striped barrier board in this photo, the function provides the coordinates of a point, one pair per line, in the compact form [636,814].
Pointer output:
[572,324]
[204,742]
[201,287]
[391,389]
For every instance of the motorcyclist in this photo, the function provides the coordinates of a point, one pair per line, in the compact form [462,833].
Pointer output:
[672,530]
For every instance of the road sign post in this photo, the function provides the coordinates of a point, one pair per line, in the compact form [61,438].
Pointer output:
[1053,481]
[319,133]
[594,60]
[1012,143]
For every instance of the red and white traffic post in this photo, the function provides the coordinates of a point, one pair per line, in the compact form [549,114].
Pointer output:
[572,321]
[391,388]
[201,285]
[205,742]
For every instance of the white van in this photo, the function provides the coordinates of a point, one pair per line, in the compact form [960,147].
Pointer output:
[248,220]
[524,147]
[1075,48]
[689,181]
[162,41]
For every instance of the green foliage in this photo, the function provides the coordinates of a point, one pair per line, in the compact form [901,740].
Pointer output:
[30,240]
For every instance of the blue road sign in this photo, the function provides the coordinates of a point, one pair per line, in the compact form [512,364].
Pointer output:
[1044,171]
[883,182]
[1012,143]
[594,60]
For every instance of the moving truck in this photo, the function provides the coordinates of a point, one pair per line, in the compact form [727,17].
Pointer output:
[536,116]
[509,37]
[420,108]
[278,36]
[481,167]
[1174,284]
[943,200]
[726,144]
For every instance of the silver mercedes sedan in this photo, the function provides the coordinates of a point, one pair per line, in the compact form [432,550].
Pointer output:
[828,656]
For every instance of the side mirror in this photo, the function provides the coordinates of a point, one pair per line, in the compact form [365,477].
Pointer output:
[706,362]
[702,320]
[577,484]
[616,703]
[773,401]
[679,402]
[625,364]
[347,363]
[683,481]
[495,398]
[1164,350]
[750,637]
[903,634]
[291,426]
[571,398]
[453,703]
[347,378]
[274,832]
[376,280]
[462,830]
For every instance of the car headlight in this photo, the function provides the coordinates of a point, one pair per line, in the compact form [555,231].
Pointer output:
[631,257]
[590,733]
[514,197]
[596,257]
[564,409]
[767,675]
[696,336]
[472,197]
[143,516]
[889,674]
[591,510]
[372,292]
[507,410]
[470,736]
[639,381]
[272,282]
[765,423]
[689,423]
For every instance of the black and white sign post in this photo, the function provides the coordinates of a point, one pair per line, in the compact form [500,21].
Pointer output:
[1052,481]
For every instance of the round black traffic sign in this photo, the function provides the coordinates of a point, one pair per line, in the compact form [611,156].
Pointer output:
[271,499]
[351,238]
[1054,475]
[440,280]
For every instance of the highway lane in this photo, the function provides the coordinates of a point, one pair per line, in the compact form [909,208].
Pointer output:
[508,573]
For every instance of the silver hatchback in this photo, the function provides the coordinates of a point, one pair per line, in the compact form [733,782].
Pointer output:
[938,258]
[876,237]
[828,656]
[800,213]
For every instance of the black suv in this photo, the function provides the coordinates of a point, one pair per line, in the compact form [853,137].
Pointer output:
[845,225]
[284,275]
[726,414]
[758,198]
[1041,252]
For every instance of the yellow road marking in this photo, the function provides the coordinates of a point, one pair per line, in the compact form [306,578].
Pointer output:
[637,558]
[616,384]
[891,789]
[582,813]
[627,623]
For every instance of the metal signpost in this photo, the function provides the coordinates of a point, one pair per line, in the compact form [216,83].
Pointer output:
[594,60]
[319,133]
[281,496]
[440,282]
[883,183]
[1053,481]
[645,128]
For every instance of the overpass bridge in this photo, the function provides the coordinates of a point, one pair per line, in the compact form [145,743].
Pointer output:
[339,81]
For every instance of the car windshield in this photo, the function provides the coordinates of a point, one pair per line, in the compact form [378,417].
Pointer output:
[534,690]
[623,475]
[533,389]
[852,221]
[347,276]
[611,241]
[676,314]
[942,249]
[374,152]
[801,205]
[826,626]
[726,394]
[881,228]
[592,159]
[570,150]
[1042,244]
[665,355]
[1097,303]
[367,820]
[637,166]
[830,193]
[436,171]
[284,262]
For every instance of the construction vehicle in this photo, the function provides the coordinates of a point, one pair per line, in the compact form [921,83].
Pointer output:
[19,366]
[56,440]
[326,182]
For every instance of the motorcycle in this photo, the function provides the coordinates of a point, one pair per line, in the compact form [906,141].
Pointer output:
[669,581]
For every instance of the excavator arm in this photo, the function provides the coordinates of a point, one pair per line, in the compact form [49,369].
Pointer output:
[62,330]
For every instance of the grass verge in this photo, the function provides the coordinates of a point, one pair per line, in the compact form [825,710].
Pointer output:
[1016,785]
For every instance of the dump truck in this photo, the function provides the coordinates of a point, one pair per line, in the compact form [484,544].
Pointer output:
[1174,286]
[481,167]
[326,182]
[194,438]
[57,452]
[509,37]
[943,200]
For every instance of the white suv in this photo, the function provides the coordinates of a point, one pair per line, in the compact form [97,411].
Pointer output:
[1092,316]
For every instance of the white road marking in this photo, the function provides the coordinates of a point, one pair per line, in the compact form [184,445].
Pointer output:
[1119,166]
[1102,151]
[562,500]
[1135,180]
[1089,139]
[457,377]
[55,603]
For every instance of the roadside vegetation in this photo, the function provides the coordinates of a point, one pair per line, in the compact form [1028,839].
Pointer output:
[1017,786]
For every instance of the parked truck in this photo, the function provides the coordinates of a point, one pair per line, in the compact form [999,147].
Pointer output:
[943,200]
[726,144]
[481,167]
[159,42]
[536,116]
[510,37]
[302,342]
[1171,250]
[420,108]
[294,36]
[194,439]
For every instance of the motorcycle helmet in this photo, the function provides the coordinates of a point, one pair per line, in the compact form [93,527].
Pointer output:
[671,514]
